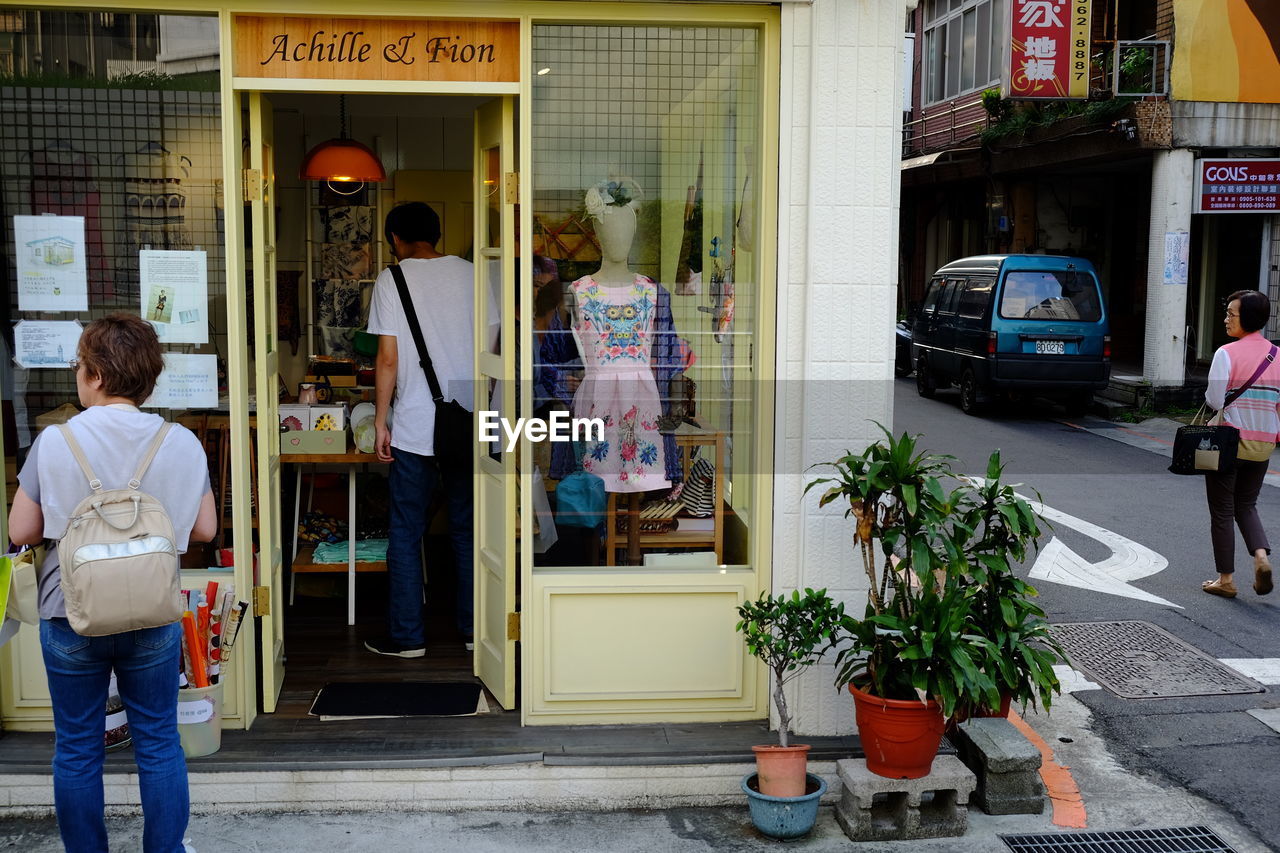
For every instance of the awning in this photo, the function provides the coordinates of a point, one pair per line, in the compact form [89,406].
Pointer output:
[950,156]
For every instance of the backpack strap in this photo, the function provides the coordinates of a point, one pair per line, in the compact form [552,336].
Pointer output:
[151,454]
[94,483]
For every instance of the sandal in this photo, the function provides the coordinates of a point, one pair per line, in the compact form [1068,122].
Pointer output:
[1214,587]
[1261,575]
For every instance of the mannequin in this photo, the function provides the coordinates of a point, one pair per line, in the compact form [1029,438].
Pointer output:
[622,321]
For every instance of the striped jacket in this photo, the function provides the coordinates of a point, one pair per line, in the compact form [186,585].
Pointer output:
[1256,413]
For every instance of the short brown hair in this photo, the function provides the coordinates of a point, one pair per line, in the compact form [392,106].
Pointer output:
[123,351]
[1255,309]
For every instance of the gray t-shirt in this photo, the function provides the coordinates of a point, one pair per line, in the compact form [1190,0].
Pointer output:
[114,440]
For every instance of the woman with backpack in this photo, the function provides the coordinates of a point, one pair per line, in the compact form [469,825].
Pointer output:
[118,361]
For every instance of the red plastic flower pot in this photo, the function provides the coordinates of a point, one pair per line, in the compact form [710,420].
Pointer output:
[781,769]
[900,738]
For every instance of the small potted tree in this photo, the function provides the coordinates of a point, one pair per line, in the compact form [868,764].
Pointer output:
[789,633]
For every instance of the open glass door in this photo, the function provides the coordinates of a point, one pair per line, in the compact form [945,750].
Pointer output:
[497,625]
[266,464]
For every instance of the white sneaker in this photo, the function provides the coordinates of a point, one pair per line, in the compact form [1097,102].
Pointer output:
[186,846]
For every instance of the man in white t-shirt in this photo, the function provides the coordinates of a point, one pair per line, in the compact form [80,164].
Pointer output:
[442,288]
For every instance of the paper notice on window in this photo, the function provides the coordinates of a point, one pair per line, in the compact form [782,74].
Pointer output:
[189,381]
[52,273]
[1177,256]
[174,289]
[45,343]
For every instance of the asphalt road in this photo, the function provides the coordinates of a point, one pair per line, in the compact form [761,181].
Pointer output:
[1208,745]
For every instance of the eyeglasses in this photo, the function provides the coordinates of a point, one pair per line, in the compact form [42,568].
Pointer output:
[1233,314]
[74,364]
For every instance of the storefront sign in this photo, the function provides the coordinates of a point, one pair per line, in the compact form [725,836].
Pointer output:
[1238,186]
[1050,55]
[377,49]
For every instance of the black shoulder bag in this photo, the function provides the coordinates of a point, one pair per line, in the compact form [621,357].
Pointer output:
[1209,448]
[453,441]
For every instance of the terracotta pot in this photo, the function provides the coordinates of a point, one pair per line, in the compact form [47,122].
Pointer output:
[781,769]
[900,738]
[961,714]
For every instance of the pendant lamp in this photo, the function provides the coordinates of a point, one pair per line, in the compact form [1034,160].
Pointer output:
[342,160]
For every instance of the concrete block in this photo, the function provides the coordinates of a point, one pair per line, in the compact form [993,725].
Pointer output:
[1006,763]
[999,745]
[876,808]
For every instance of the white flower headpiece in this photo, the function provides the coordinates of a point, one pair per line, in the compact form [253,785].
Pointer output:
[605,196]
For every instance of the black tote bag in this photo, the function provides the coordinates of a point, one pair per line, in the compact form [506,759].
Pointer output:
[1209,448]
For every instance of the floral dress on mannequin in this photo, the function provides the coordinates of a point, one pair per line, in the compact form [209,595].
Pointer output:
[615,327]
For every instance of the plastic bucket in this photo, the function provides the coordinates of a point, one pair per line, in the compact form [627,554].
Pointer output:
[200,720]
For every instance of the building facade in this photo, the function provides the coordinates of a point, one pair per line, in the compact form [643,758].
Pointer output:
[756,144]
[1112,176]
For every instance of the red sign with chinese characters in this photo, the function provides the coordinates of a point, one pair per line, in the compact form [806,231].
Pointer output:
[1238,186]
[1050,53]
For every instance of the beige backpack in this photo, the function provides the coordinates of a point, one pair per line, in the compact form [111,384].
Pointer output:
[119,560]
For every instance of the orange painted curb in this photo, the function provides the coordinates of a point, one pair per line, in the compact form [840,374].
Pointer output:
[1064,793]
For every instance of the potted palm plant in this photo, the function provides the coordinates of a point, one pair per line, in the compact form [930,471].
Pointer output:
[925,646]
[789,633]
[1002,529]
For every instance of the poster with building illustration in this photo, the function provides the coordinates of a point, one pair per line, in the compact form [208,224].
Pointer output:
[174,289]
[50,256]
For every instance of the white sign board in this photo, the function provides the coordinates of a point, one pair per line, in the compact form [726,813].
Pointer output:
[174,289]
[189,381]
[45,343]
[1177,256]
[52,273]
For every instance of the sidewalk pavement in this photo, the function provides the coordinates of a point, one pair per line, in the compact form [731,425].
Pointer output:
[1154,435]
[1113,798]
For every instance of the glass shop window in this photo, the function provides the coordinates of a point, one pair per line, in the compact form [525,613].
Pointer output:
[111,173]
[646,280]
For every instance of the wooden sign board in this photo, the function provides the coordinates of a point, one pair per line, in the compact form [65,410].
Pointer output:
[377,49]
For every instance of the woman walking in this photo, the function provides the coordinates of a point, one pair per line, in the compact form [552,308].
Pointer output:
[118,360]
[1249,362]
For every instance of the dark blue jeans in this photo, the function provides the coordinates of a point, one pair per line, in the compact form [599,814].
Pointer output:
[79,670]
[411,483]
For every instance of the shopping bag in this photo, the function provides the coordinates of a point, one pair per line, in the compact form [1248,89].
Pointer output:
[1205,448]
[18,585]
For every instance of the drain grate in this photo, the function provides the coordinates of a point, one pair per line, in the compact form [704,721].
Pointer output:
[1174,839]
[1138,660]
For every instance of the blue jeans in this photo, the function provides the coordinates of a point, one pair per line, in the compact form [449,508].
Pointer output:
[79,670]
[412,481]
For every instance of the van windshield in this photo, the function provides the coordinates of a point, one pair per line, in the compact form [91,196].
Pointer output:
[1050,295]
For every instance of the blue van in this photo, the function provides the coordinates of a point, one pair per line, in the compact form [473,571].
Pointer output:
[1000,324]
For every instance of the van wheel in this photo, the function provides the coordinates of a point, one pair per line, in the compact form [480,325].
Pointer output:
[969,402]
[925,385]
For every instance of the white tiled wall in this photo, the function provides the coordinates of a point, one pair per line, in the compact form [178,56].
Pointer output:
[841,125]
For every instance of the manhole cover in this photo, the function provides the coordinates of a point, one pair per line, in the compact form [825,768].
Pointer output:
[1137,660]
[1174,839]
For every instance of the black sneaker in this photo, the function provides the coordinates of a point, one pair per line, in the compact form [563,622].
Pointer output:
[392,649]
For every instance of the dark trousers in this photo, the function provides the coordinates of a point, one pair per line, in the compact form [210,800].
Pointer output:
[411,482]
[1233,497]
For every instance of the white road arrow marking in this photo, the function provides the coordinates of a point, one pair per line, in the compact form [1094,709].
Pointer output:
[1129,561]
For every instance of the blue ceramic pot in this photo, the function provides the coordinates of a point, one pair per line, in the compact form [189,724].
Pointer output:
[784,817]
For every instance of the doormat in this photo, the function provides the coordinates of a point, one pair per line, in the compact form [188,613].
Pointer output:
[356,700]
[1138,660]
[1174,839]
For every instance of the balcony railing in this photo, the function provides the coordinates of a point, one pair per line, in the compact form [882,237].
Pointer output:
[943,130]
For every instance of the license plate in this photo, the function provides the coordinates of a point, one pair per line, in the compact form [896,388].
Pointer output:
[1051,347]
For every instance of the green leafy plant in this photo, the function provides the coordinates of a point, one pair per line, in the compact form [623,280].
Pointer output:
[1001,528]
[790,634]
[946,618]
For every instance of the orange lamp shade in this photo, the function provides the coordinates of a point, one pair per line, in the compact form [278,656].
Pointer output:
[341,160]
